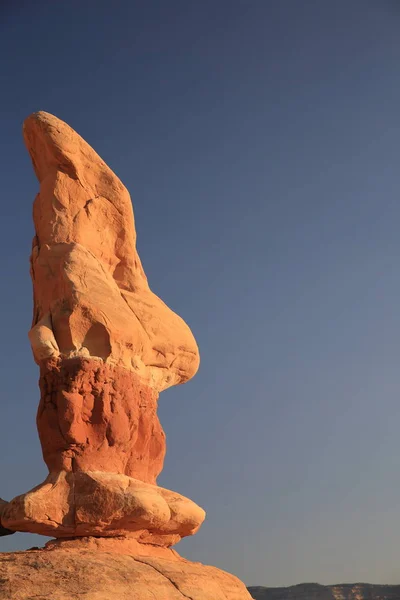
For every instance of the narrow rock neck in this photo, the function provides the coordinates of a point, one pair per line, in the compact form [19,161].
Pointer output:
[97,417]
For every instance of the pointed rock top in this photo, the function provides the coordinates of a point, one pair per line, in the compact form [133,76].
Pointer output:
[91,295]
[54,146]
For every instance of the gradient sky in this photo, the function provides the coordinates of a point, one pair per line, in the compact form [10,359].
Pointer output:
[260,142]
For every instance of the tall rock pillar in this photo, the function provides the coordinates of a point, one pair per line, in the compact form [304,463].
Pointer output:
[106,346]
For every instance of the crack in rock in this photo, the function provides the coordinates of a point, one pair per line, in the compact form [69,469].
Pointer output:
[164,575]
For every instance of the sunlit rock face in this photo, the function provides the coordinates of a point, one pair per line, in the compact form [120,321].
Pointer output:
[111,569]
[106,346]
[91,295]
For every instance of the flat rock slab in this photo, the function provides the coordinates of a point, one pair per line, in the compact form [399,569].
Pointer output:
[72,574]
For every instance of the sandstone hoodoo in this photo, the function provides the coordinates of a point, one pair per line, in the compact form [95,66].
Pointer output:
[106,346]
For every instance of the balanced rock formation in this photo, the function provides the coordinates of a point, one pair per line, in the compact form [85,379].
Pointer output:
[106,346]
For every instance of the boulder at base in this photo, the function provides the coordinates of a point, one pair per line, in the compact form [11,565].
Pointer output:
[111,569]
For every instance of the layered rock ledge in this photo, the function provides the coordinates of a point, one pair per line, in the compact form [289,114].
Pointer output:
[103,504]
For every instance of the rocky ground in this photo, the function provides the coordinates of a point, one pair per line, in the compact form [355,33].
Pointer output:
[110,569]
[314,591]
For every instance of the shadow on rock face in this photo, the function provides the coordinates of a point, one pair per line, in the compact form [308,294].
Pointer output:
[4,531]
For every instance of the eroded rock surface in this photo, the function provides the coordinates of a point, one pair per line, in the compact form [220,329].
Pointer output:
[103,504]
[106,346]
[92,570]
[91,295]
[98,417]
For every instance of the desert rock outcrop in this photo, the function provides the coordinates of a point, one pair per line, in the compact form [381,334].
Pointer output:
[94,572]
[106,346]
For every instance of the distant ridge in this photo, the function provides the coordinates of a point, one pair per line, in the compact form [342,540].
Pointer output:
[315,591]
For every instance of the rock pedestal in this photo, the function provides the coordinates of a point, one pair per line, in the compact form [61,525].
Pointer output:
[113,569]
[106,347]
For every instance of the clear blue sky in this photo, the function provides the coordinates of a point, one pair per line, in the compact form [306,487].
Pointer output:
[260,142]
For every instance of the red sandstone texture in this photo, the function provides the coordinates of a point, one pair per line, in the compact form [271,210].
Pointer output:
[97,417]
[106,346]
